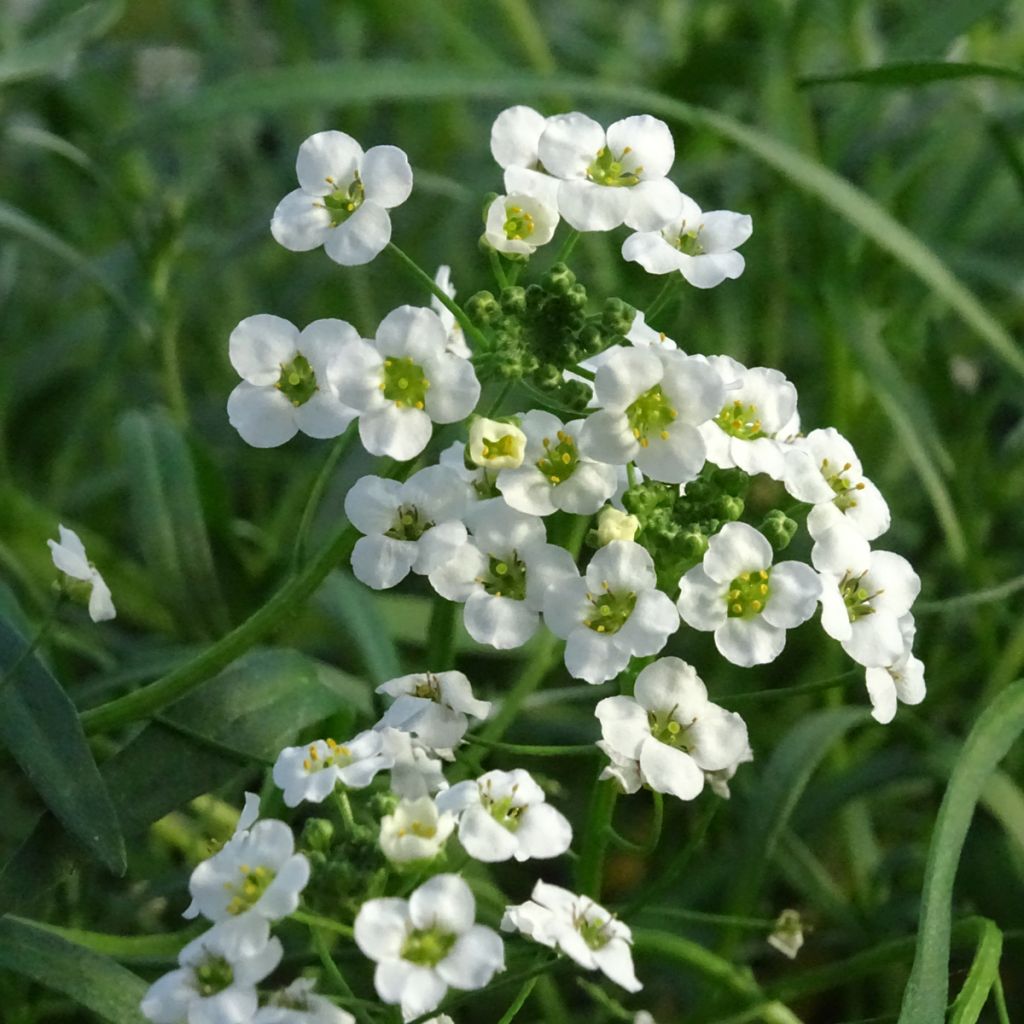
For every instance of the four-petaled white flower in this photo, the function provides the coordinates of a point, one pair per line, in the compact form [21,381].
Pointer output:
[748,602]
[652,402]
[902,681]
[427,943]
[415,772]
[701,246]
[299,1004]
[289,379]
[672,730]
[456,339]
[577,926]
[69,557]
[504,815]
[515,137]
[415,525]
[495,444]
[502,573]
[554,475]
[517,224]
[434,707]
[613,177]
[613,612]
[823,470]
[415,831]
[404,381]
[343,198]
[312,771]
[213,984]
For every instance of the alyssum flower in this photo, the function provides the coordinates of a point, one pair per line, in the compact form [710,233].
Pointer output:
[902,681]
[434,706]
[515,137]
[517,224]
[415,831]
[312,771]
[299,1004]
[69,557]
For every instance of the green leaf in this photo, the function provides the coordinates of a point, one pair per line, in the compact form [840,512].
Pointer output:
[91,980]
[998,726]
[980,978]
[40,727]
[914,72]
[169,518]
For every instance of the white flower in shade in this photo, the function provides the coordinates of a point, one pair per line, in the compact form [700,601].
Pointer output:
[652,403]
[700,246]
[788,936]
[343,198]
[415,831]
[613,524]
[299,1004]
[213,983]
[823,470]
[622,770]
[642,335]
[495,445]
[289,379]
[502,574]
[748,602]
[415,772]
[433,706]
[671,728]
[413,525]
[613,177]
[456,339]
[613,612]
[504,815]
[578,927]
[480,479]
[312,772]
[902,681]
[406,380]
[864,596]
[719,780]
[517,224]
[757,414]
[427,943]
[69,557]
[515,137]
[554,476]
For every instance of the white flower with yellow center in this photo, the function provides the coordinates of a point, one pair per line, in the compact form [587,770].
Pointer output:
[311,772]
[343,198]
[289,379]
[901,682]
[433,706]
[415,831]
[80,574]
[404,381]
[495,445]
[299,1004]
[517,224]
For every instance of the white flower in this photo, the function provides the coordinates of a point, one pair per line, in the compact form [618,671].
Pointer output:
[433,706]
[502,574]
[312,772]
[289,379]
[456,339]
[613,612]
[624,771]
[747,601]
[519,223]
[759,406]
[495,445]
[515,137]
[299,1004]
[479,478]
[577,926]
[415,525]
[69,557]
[343,198]
[612,524]
[504,815]
[823,470]
[788,935]
[699,245]
[652,402]
[214,984]
[423,945]
[611,177]
[864,596]
[415,831]
[554,475]
[414,771]
[671,728]
[406,380]
[719,780]
[902,681]
[642,335]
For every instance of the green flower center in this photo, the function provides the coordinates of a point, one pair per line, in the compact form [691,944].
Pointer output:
[427,946]
[739,420]
[250,889]
[856,597]
[846,493]
[559,461]
[404,382]
[650,414]
[297,381]
[503,810]
[343,202]
[499,448]
[518,224]
[688,243]
[611,610]
[409,524]
[607,169]
[666,729]
[595,933]
[428,688]
[748,594]
[506,577]
[214,976]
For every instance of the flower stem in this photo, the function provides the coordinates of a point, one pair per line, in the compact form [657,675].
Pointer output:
[567,246]
[596,833]
[777,692]
[343,987]
[441,638]
[660,300]
[517,1004]
[631,474]
[498,269]
[318,921]
[532,750]
[27,652]
[345,810]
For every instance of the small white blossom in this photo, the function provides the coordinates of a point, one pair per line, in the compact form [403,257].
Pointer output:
[415,831]
[582,930]
[299,1004]
[504,815]
[622,770]
[427,943]
[671,728]
[652,402]
[612,524]
[902,681]
[404,381]
[495,445]
[788,936]
[412,525]
[517,224]
[700,246]
[613,612]
[311,772]
[343,198]
[719,780]
[748,602]
[69,557]
[415,771]
[456,339]
[434,706]
[515,137]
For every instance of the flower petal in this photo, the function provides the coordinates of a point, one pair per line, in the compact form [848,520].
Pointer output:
[399,432]
[652,252]
[670,771]
[327,160]
[702,600]
[382,562]
[589,207]
[260,345]
[515,135]
[360,238]
[387,176]
[569,144]
[649,140]
[501,622]
[454,388]
[593,656]
[748,642]
[653,204]
[300,222]
[794,592]
[735,549]
[262,416]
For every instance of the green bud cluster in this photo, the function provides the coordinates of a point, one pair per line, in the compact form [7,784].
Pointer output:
[778,528]
[346,868]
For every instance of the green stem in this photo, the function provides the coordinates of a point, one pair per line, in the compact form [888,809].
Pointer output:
[174,389]
[343,987]
[441,638]
[470,329]
[517,1004]
[345,810]
[648,847]
[532,750]
[660,300]
[317,921]
[631,474]
[531,35]
[779,692]
[596,832]
[567,246]
[27,652]
[759,924]
[582,371]
[999,998]
[498,269]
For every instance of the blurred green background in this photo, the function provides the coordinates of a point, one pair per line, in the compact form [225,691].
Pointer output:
[142,151]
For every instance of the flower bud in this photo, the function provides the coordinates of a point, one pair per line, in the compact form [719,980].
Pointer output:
[495,445]
[513,300]
[615,525]
[483,308]
[558,280]
[778,528]
[617,316]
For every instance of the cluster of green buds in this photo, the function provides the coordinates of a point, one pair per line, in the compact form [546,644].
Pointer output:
[346,866]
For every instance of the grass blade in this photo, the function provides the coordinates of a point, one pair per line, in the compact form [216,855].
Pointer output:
[914,72]
[981,976]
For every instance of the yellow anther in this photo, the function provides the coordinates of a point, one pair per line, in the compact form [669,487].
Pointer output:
[664,435]
[737,608]
[756,605]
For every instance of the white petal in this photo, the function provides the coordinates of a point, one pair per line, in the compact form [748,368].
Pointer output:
[671,683]
[616,961]
[590,207]
[670,771]
[387,176]
[323,416]
[526,490]
[569,144]
[896,581]
[456,578]
[650,141]
[324,343]
[101,606]
[401,433]
[875,641]
[702,600]
[412,332]
[438,545]
[501,622]
[628,373]
[793,594]
[676,458]
[263,417]
[648,627]
[362,373]
[735,549]
[260,345]
[624,565]
[454,388]
[653,204]
[624,724]
[589,487]
[803,478]
[300,222]
[607,438]
[382,562]
[484,839]
[380,928]
[910,685]
[324,155]
[835,618]
[723,230]
[525,181]
[543,832]
[748,642]
[882,693]
[592,656]
[372,503]
[718,739]
[711,269]
[360,238]
[69,554]
[444,902]
[652,252]
[474,959]
[761,455]
[515,135]
[418,989]
[546,566]
[565,606]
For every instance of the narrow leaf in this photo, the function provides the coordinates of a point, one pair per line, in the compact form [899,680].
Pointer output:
[914,72]
[980,978]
